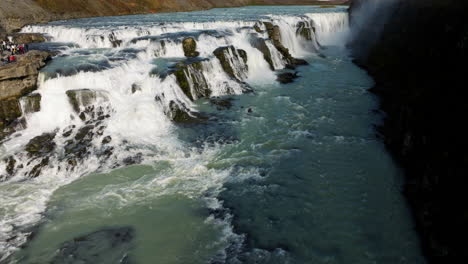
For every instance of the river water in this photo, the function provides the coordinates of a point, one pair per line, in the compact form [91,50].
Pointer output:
[290,173]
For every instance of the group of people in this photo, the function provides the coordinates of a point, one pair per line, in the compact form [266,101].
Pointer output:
[11,49]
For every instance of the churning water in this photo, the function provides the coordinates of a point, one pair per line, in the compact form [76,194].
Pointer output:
[288,174]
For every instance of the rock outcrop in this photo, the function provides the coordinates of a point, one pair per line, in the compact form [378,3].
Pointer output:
[419,63]
[189,46]
[275,36]
[17,80]
[191,80]
[305,30]
[233,61]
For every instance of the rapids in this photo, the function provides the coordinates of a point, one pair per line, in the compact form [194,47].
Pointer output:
[272,173]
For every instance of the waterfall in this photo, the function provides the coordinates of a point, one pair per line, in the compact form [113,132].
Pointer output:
[331,28]
[110,108]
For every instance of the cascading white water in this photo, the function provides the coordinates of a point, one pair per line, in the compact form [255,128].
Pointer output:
[331,28]
[136,122]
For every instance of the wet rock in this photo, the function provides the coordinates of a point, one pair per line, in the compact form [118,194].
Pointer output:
[179,113]
[221,104]
[41,145]
[113,39]
[83,102]
[261,45]
[275,36]
[81,98]
[136,87]
[12,127]
[31,103]
[10,110]
[83,132]
[293,63]
[305,30]
[190,47]
[191,80]
[287,77]
[273,31]
[106,140]
[11,163]
[233,61]
[137,159]
[111,245]
[36,170]
[257,28]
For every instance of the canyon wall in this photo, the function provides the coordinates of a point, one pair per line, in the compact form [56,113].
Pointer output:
[14,14]
[418,59]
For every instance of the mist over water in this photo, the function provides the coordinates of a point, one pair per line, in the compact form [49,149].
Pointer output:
[289,174]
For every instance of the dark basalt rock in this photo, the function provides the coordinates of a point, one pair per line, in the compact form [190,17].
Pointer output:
[111,245]
[275,36]
[41,145]
[36,170]
[260,44]
[113,39]
[305,30]
[190,47]
[10,110]
[106,140]
[179,113]
[193,72]
[31,103]
[83,102]
[81,98]
[221,103]
[137,159]
[223,54]
[11,163]
[257,28]
[287,77]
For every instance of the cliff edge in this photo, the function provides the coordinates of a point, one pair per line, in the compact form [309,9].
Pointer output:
[419,61]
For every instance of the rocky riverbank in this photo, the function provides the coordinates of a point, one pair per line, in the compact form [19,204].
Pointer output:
[16,14]
[419,64]
[17,81]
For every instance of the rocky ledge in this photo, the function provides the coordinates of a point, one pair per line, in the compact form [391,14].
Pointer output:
[17,81]
[419,64]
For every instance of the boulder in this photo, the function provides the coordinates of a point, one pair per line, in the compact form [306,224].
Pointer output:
[257,28]
[287,77]
[275,36]
[113,39]
[305,30]
[83,98]
[233,61]
[190,47]
[179,113]
[10,110]
[273,31]
[31,103]
[261,45]
[41,145]
[221,103]
[191,80]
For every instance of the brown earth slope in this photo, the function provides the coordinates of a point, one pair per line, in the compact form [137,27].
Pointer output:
[15,14]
